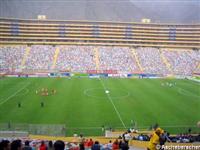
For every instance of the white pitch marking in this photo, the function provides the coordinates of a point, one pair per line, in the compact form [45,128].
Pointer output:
[14,94]
[191,94]
[117,112]
[141,127]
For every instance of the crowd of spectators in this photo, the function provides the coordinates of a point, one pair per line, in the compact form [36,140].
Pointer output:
[182,62]
[83,58]
[151,60]
[40,57]
[179,138]
[11,57]
[20,144]
[85,144]
[185,138]
[117,58]
[76,58]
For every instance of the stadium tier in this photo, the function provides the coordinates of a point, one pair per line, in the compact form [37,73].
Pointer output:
[99,59]
[99,74]
[17,31]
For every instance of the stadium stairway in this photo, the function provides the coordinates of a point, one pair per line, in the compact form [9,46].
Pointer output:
[198,67]
[25,56]
[197,70]
[96,58]
[57,51]
[137,60]
[168,65]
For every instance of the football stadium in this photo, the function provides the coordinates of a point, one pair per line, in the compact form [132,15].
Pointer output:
[99,75]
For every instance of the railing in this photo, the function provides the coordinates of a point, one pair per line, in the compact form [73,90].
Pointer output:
[22,130]
[36,129]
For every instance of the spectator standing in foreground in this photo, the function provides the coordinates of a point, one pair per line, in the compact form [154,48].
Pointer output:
[109,145]
[27,146]
[42,146]
[155,139]
[115,145]
[124,145]
[164,138]
[90,143]
[16,145]
[5,145]
[59,145]
[82,146]
[96,146]
[50,145]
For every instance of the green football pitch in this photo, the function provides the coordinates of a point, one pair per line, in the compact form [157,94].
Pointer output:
[83,105]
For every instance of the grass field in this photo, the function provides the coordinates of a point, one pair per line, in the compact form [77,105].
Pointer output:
[83,105]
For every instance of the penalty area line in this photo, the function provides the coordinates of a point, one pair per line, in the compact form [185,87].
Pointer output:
[182,89]
[117,112]
[13,95]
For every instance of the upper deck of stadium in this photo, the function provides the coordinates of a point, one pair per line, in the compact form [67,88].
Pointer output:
[174,24]
[30,31]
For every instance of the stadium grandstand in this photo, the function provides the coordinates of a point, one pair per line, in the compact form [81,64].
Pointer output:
[109,74]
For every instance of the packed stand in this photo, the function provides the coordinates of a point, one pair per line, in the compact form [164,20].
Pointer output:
[182,62]
[84,58]
[197,70]
[158,136]
[151,61]
[11,58]
[76,58]
[117,58]
[40,57]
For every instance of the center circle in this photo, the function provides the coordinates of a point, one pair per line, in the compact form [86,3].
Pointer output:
[103,93]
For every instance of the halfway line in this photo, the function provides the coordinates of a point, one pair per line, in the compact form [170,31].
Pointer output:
[117,112]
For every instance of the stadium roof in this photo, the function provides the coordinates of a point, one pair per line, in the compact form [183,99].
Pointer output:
[165,11]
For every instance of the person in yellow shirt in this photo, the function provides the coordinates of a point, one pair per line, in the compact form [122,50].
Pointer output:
[155,139]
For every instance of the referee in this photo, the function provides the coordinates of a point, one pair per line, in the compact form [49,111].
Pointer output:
[42,104]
